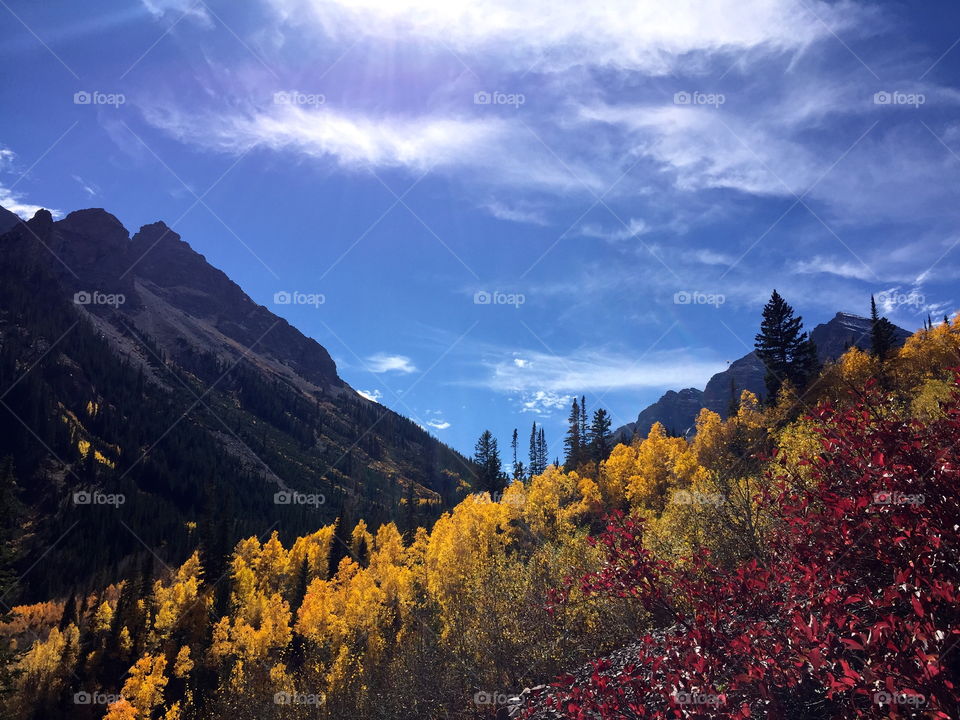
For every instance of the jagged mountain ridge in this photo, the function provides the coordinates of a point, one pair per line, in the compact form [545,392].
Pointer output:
[678,411]
[188,398]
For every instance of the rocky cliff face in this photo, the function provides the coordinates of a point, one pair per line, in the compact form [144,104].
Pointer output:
[674,410]
[7,219]
[178,298]
[844,331]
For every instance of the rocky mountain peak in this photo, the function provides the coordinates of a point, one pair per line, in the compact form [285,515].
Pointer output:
[677,411]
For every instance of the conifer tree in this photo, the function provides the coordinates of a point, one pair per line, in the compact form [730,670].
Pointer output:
[572,442]
[542,450]
[517,464]
[600,437]
[583,421]
[882,333]
[486,455]
[784,347]
[534,455]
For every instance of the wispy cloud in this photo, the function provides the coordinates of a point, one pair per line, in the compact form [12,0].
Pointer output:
[89,188]
[383,363]
[519,212]
[15,203]
[616,233]
[195,11]
[372,395]
[11,200]
[845,269]
[649,37]
[437,424]
[597,371]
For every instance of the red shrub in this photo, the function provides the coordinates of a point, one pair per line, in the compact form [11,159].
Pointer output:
[857,614]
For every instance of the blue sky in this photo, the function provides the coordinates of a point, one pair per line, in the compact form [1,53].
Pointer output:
[624,182]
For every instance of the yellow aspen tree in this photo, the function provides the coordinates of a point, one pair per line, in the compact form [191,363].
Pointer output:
[122,709]
[146,682]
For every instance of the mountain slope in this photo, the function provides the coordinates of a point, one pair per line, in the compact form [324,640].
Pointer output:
[132,368]
[678,411]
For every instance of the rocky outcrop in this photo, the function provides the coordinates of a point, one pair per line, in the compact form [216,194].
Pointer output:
[676,411]
[173,294]
[747,373]
[7,219]
[845,331]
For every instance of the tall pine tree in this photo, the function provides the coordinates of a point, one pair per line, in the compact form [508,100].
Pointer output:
[517,464]
[541,451]
[882,333]
[600,437]
[572,442]
[490,477]
[785,349]
[534,454]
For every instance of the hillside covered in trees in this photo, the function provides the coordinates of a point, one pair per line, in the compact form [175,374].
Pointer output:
[182,402]
[796,560]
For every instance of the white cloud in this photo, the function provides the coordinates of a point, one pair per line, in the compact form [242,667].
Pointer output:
[373,395]
[650,36]
[517,212]
[592,371]
[354,140]
[706,148]
[191,9]
[850,270]
[89,188]
[492,148]
[633,228]
[14,203]
[382,363]
[438,424]
[543,402]
[710,257]
[520,362]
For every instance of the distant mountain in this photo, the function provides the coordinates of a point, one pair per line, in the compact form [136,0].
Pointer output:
[673,410]
[132,367]
[678,411]
[844,331]
[7,219]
